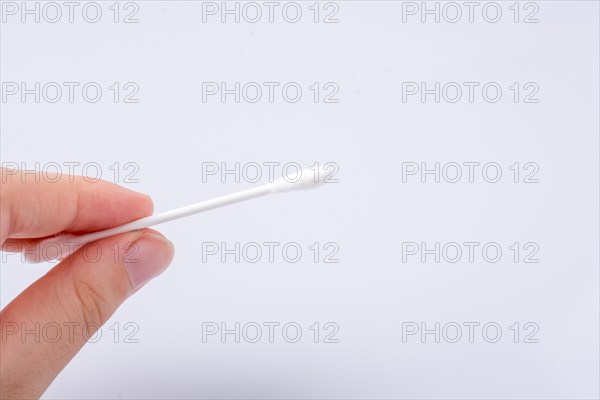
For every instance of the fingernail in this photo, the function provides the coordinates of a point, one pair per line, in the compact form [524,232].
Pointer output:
[147,258]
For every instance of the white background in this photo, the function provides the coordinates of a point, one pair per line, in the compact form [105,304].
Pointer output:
[369,133]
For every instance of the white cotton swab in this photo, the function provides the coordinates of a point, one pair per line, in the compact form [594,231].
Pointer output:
[63,245]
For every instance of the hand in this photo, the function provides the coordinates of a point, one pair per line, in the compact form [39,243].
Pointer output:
[80,293]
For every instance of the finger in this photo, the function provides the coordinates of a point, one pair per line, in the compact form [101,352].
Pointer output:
[65,203]
[47,324]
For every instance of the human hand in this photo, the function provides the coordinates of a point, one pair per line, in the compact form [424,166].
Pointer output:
[78,293]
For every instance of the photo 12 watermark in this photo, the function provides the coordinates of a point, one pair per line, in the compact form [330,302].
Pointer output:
[470,332]
[270,332]
[452,252]
[470,12]
[54,332]
[270,92]
[67,247]
[270,12]
[489,92]
[469,172]
[120,172]
[269,171]
[71,92]
[270,252]
[69,12]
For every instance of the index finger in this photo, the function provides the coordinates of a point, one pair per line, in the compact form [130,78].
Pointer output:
[64,203]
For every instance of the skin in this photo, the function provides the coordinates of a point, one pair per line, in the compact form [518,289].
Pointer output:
[76,293]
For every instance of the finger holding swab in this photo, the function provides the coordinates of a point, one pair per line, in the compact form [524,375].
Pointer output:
[65,244]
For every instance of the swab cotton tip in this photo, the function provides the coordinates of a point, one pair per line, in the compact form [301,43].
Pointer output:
[61,246]
[307,178]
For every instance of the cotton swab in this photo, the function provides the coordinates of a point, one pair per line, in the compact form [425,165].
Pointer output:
[65,244]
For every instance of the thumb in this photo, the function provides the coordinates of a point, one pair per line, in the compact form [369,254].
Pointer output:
[46,325]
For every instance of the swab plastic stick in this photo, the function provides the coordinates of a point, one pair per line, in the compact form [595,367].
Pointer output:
[65,244]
